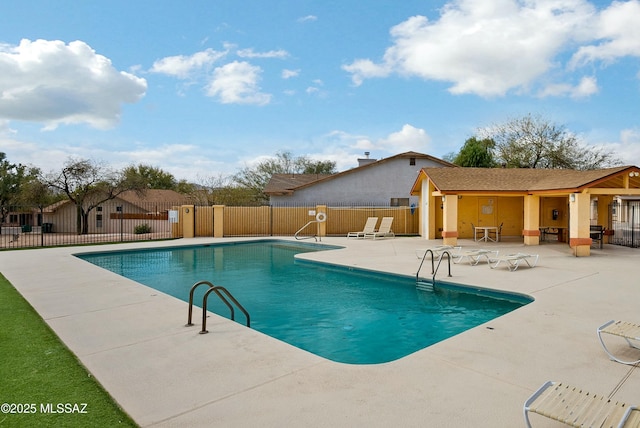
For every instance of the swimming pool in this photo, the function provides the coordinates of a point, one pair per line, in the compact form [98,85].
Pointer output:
[342,314]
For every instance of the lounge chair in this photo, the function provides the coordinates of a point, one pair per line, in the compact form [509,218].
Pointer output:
[369,227]
[513,261]
[579,408]
[438,251]
[384,230]
[476,256]
[630,332]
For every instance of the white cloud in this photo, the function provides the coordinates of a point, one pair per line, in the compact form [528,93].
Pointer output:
[628,148]
[5,129]
[365,69]
[345,148]
[249,53]
[587,86]
[316,88]
[407,139]
[308,18]
[183,66]
[287,74]
[490,48]
[618,29]
[237,83]
[56,83]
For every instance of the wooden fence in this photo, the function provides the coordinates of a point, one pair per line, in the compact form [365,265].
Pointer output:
[286,221]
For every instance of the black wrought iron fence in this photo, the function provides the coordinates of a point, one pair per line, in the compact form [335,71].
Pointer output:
[64,224]
[625,217]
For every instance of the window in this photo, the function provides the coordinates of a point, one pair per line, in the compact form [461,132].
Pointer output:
[399,202]
[412,161]
[99,220]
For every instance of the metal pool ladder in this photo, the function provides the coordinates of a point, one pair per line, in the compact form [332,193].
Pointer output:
[221,292]
[425,285]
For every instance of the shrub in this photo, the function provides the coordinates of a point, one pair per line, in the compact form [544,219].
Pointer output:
[142,228]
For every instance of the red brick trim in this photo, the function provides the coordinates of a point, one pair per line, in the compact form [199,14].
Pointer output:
[526,232]
[446,234]
[574,242]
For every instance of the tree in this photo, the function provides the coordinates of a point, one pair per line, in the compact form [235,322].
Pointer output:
[88,184]
[256,178]
[221,190]
[476,153]
[534,142]
[315,167]
[154,177]
[13,181]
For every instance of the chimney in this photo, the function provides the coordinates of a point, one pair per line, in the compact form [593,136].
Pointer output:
[366,160]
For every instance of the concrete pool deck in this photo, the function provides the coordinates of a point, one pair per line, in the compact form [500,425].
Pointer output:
[133,340]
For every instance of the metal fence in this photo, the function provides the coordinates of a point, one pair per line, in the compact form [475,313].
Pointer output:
[116,222]
[33,226]
[625,223]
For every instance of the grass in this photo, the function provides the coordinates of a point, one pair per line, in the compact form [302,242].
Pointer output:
[39,374]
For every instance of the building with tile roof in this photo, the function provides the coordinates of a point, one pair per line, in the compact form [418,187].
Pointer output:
[454,201]
[374,182]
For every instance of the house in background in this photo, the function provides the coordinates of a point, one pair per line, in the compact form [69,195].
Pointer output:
[120,214]
[372,183]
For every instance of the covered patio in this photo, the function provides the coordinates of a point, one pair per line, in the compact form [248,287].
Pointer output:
[523,203]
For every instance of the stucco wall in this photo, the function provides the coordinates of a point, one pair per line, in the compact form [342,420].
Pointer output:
[371,185]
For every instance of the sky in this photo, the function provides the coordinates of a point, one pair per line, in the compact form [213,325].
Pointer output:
[205,88]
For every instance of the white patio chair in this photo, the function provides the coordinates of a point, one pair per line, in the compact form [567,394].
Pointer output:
[513,261]
[369,227]
[630,332]
[576,407]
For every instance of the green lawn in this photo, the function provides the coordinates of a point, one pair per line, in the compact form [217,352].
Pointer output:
[39,375]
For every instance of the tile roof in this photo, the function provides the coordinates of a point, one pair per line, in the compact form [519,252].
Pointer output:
[158,196]
[286,183]
[450,180]
[153,195]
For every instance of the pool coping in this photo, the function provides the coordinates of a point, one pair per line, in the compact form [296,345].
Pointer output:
[133,339]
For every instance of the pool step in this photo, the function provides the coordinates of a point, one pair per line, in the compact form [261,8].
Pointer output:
[424,285]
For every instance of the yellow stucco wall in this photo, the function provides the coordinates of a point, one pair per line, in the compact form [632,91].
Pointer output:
[490,211]
[547,207]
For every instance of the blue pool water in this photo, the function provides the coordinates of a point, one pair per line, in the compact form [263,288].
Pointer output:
[345,315]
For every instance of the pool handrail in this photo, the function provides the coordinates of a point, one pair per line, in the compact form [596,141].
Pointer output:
[216,289]
[191,292]
[315,236]
[434,269]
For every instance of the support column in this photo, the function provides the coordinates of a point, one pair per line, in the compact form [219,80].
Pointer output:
[218,221]
[428,201]
[531,231]
[579,216]
[187,212]
[450,220]
[321,225]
